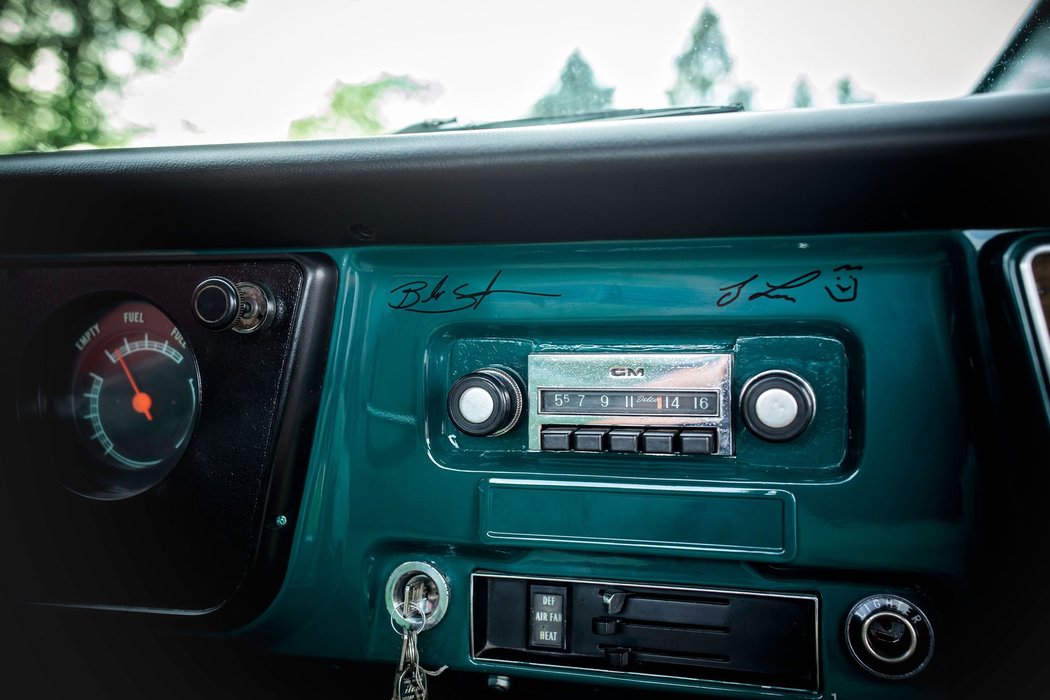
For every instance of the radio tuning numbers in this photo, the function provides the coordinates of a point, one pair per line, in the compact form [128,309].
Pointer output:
[630,403]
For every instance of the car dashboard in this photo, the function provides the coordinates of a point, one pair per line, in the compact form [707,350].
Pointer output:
[738,405]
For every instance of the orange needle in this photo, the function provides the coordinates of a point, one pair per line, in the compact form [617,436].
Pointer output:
[141,401]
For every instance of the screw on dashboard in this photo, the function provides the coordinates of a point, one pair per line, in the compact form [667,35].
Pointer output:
[362,232]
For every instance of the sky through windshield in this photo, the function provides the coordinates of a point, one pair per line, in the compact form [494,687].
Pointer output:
[272,69]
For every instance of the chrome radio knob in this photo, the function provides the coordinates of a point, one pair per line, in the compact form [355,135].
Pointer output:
[777,405]
[485,403]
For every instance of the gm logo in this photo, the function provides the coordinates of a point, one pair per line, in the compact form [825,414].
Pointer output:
[627,372]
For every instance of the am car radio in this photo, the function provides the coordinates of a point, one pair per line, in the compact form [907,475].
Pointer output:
[650,403]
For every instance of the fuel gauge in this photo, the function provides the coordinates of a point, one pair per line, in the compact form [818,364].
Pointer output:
[135,388]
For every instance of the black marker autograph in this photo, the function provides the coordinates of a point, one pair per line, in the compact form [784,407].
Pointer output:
[839,291]
[848,291]
[420,292]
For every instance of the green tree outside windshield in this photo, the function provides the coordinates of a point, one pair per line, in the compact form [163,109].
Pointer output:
[704,63]
[353,109]
[803,96]
[61,59]
[577,92]
[846,93]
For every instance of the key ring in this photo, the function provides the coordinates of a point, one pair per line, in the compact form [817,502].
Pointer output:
[396,619]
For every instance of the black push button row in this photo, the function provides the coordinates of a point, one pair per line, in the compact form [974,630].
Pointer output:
[664,441]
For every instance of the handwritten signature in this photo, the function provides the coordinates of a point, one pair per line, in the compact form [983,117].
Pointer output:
[421,293]
[843,290]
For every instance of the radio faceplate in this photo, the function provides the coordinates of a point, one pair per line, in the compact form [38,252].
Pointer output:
[658,394]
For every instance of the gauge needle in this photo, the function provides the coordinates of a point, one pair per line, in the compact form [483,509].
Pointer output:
[141,401]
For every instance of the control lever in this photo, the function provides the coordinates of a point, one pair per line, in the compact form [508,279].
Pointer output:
[613,601]
[605,626]
[618,657]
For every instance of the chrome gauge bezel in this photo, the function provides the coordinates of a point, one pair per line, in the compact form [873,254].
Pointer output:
[48,407]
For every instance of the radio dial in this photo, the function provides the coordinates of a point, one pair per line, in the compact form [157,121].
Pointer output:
[485,403]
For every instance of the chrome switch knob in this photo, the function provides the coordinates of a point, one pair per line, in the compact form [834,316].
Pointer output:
[219,304]
[485,403]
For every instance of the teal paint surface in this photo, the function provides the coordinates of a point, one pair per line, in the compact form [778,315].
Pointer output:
[888,496]
[752,524]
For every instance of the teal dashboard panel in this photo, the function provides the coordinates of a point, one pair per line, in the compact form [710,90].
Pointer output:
[872,498]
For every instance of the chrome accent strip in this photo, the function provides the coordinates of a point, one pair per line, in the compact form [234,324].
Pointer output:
[518,398]
[1035,305]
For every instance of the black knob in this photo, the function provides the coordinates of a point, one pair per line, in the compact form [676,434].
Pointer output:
[889,637]
[777,406]
[216,303]
[219,304]
[618,657]
[604,626]
[487,402]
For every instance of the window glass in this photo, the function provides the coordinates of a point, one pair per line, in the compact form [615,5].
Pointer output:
[96,73]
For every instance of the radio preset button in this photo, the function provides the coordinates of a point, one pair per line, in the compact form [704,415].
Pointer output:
[625,440]
[659,441]
[589,439]
[556,439]
[699,442]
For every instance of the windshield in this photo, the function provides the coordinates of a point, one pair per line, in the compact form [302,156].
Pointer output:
[90,73]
